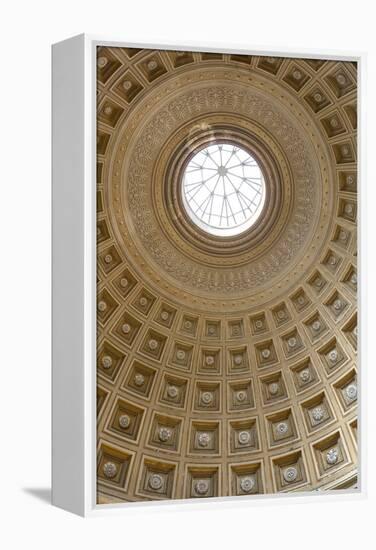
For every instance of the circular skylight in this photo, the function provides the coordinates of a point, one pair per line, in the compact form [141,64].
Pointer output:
[223,189]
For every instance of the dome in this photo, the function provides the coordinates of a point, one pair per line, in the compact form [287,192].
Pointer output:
[227,275]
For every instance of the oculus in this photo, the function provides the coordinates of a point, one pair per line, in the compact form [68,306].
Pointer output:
[223,189]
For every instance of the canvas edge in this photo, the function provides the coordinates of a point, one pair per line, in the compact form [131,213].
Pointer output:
[68,158]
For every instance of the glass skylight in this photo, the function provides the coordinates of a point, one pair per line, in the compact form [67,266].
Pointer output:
[223,189]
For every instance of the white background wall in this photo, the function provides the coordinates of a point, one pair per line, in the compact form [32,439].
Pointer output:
[27,28]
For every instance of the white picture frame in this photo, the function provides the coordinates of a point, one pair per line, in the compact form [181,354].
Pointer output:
[74,268]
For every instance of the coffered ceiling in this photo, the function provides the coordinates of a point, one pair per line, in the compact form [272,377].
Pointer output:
[226,366]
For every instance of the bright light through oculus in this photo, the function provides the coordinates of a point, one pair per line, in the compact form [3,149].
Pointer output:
[223,189]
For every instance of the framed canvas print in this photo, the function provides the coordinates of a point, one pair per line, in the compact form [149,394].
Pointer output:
[205,274]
